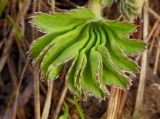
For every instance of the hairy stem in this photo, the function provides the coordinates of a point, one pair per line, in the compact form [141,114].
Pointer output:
[96,8]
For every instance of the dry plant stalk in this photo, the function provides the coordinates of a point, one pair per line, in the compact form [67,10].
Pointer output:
[139,99]
[18,92]
[47,104]
[59,105]
[36,93]
[114,103]
[37,106]
[157,57]
[152,12]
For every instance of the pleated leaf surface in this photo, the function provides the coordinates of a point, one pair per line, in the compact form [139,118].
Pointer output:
[98,50]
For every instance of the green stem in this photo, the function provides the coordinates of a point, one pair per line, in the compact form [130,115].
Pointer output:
[96,8]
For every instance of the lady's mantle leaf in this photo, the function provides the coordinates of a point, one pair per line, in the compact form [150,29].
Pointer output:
[131,8]
[98,50]
[62,22]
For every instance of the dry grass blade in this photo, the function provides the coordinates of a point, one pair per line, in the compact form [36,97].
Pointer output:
[157,57]
[37,108]
[152,12]
[122,103]
[22,100]
[12,71]
[47,105]
[9,42]
[154,37]
[48,101]
[63,94]
[36,93]
[6,51]
[17,92]
[114,103]
[155,26]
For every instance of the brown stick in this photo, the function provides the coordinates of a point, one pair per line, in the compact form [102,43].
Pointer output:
[12,114]
[122,103]
[56,113]
[9,42]
[12,71]
[47,105]
[157,58]
[152,12]
[139,99]
[36,92]
[22,100]
[53,5]
[155,26]
[48,101]
[114,103]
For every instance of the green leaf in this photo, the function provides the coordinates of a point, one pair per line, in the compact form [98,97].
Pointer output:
[90,86]
[98,51]
[131,8]
[62,22]
[52,54]
[81,60]
[125,43]
[71,51]
[114,79]
[66,113]
[131,46]
[96,62]
[78,108]
[38,45]
[53,72]
[121,28]
[3,4]
[70,79]
[107,60]
[17,30]
[111,70]
[119,58]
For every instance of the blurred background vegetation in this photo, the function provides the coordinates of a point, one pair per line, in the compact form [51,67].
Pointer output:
[23,94]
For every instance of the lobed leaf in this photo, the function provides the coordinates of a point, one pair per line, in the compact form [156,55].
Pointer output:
[98,50]
[114,79]
[38,45]
[119,58]
[62,22]
[54,72]
[96,61]
[121,28]
[131,8]
[52,54]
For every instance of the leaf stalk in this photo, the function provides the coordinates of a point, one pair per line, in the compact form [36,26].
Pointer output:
[96,8]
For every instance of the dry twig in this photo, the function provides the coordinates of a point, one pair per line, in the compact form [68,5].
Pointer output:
[63,94]
[139,99]
[48,101]
[36,93]
[157,57]
[152,12]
